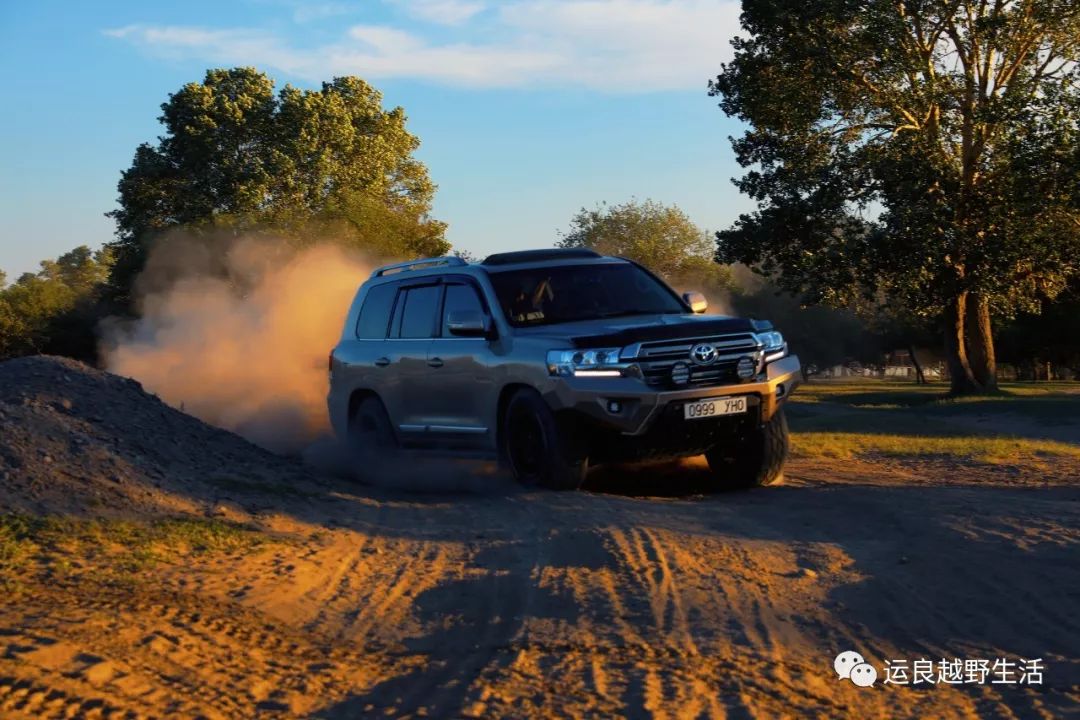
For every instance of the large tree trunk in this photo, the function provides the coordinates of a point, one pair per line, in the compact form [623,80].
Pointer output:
[980,342]
[961,379]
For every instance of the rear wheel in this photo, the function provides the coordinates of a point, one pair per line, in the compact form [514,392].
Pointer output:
[371,436]
[755,460]
[536,449]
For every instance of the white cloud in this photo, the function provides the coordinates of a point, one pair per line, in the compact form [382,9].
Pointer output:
[172,36]
[649,44]
[386,40]
[229,47]
[612,45]
[443,12]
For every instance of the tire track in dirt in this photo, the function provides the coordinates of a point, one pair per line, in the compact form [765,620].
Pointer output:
[572,605]
[328,593]
[461,613]
[23,698]
[677,680]
[187,659]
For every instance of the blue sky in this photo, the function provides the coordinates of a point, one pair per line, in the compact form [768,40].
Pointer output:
[527,109]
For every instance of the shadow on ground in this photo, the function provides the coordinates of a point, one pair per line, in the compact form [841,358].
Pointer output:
[633,584]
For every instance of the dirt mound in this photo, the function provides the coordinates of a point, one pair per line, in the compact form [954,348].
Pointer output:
[75,439]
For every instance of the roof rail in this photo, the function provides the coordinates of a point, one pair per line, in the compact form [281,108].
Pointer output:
[524,256]
[422,264]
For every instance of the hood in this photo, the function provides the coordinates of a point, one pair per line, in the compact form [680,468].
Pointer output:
[623,331]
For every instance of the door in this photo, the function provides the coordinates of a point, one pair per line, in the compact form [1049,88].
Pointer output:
[459,387]
[412,329]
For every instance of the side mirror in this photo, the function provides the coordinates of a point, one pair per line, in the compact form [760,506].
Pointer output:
[468,323]
[696,301]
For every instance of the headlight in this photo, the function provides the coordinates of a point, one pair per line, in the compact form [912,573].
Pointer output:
[773,345]
[602,362]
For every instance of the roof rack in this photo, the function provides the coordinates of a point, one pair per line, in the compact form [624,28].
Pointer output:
[422,264]
[524,256]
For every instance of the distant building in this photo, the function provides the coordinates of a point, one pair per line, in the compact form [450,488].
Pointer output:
[852,369]
[899,364]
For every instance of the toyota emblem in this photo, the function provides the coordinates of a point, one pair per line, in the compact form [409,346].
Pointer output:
[703,354]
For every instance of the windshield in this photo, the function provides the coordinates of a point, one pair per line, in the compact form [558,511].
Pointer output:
[567,293]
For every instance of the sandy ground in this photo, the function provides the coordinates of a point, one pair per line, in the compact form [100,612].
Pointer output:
[576,605]
[515,603]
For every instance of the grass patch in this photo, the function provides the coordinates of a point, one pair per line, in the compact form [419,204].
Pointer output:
[112,549]
[882,420]
[870,392]
[1045,403]
[990,450]
[1025,425]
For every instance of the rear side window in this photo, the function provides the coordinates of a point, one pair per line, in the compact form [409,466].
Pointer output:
[375,313]
[459,297]
[420,311]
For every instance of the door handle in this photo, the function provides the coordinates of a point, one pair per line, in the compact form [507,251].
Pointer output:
[435,362]
[382,362]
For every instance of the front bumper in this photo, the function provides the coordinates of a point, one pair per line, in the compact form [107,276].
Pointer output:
[639,405]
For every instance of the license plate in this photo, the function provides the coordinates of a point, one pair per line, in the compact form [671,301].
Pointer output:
[714,408]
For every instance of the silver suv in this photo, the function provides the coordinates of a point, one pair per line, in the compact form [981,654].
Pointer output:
[552,360]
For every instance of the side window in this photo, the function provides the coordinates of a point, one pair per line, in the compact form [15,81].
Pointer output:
[375,313]
[421,307]
[459,297]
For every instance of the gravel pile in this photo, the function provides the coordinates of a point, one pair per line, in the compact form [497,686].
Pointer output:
[74,439]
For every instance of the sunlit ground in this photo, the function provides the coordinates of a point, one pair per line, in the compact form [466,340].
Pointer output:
[906,527]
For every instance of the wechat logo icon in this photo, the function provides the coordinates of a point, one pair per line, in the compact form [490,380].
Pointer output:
[850,665]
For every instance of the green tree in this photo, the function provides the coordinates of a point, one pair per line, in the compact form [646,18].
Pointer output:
[819,335]
[1030,342]
[236,155]
[925,148]
[661,238]
[55,309]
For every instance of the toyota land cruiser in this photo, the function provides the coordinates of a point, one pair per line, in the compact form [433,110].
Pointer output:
[553,360]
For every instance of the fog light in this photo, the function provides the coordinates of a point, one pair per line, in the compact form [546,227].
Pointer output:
[614,407]
[680,373]
[746,368]
[780,390]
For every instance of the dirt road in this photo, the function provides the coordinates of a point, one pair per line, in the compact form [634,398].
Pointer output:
[636,598]
[540,604]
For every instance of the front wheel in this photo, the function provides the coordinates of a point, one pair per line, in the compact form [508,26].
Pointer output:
[532,444]
[755,460]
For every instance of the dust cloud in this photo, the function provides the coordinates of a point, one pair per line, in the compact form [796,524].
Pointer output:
[409,470]
[237,333]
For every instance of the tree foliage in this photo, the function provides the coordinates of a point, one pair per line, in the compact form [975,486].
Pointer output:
[660,237]
[929,149]
[54,310]
[1051,336]
[820,335]
[236,155]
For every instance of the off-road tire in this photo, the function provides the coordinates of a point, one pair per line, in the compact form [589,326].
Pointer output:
[371,436]
[755,460]
[555,459]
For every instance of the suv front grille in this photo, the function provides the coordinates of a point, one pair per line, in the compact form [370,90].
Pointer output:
[656,360]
